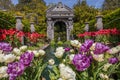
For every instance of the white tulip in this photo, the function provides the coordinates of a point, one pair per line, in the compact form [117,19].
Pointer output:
[61,65]
[75,43]
[93,46]
[3,72]
[104,76]
[71,57]
[29,51]
[66,72]
[79,45]
[23,48]
[106,66]
[64,60]
[18,58]
[51,62]
[99,57]
[58,54]
[17,51]
[42,52]
[60,49]
[36,53]
[72,50]
[1,51]
[9,58]
[101,75]
[2,57]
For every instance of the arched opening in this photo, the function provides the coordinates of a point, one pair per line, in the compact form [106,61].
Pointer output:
[60,31]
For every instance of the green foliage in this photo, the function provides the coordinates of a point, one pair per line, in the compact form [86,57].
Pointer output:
[60,31]
[83,13]
[59,43]
[66,43]
[54,75]
[110,20]
[52,43]
[102,38]
[111,4]
[7,20]
[34,71]
[26,24]
[34,10]
[6,4]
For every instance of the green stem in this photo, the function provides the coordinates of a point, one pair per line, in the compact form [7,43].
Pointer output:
[95,74]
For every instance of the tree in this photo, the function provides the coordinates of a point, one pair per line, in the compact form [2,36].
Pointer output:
[36,9]
[83,13]
[6,4]
[111,4]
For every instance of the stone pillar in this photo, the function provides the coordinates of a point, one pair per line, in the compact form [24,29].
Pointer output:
[69,28]
[32,28]
[99,23]
[19,25]
[50,30]
[68,33]
[86,26]
[70,22]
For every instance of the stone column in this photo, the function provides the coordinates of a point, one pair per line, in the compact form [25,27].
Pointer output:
[50,31]
[70,22]
[32,28]
[68,33]
[69,28]
[19,25]
[99,23]
[86,26]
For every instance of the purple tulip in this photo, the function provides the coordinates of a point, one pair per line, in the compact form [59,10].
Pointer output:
[67,49]
[26,58]
[100,48]
[6,47]
[15,69]
[86,46]
[81,62]
[113,60]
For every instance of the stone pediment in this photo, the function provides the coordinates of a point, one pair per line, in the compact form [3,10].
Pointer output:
[59,10]
[59,7]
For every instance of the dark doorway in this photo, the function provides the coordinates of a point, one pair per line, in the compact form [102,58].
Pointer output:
[60,31]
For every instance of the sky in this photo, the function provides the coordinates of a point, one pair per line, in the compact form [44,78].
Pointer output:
[70,3]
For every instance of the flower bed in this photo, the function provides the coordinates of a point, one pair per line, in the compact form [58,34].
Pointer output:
[79,61]
[105,35]
[15,37]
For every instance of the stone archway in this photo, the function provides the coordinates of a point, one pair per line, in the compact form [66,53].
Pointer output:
[57,13]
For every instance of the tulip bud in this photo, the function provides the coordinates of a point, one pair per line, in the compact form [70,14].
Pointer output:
[51,62]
